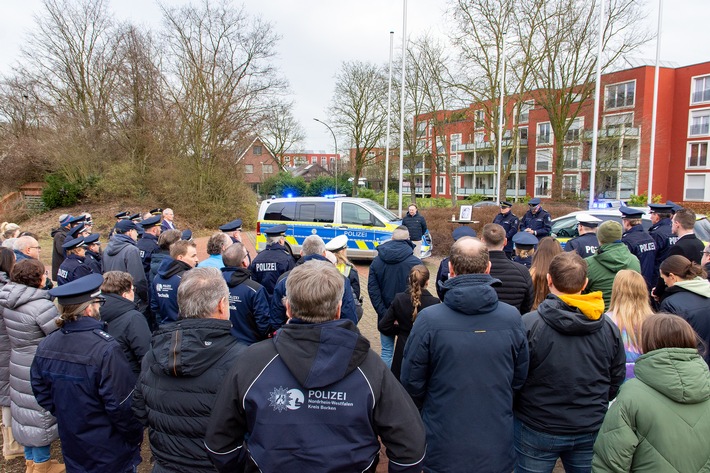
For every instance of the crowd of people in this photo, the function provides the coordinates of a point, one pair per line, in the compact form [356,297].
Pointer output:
[234,364]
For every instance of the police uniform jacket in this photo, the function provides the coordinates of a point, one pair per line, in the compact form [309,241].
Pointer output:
[585,245]
[248,306]
[29,317]
[93,260]
[416,225]
[283,408]
[540,222]
[163,299]
[175,395]
[442,275]
[662,234]
[80,375]
[510,223]
[128,326]
[148,244]
[270,264]
[643,246]
[58,237]
[689,246]
[72,268]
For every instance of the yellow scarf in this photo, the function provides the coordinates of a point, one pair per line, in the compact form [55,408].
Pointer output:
[591,305]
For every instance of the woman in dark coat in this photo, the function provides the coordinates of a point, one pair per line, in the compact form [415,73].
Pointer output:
[403,312]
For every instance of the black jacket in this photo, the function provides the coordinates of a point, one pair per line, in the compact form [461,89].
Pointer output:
[416,226]
[185,366]
[689,246]
[576,367]
[389,272]
[58,237]
[128,326]
[691,300]
[398,322]
[516,286]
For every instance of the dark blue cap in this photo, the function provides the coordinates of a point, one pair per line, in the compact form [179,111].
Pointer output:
[123,215]
[93,238]
[74,232]
[80,218]
[674,207]
[534,201]
[125,225]
[463,231]
[628,212]
[231,226]
[525,240]
[73,243]
[135,217]
[151,222]
[276,230]
[79,291]
[505,203]
[661,208]
[156,211]
[186,235]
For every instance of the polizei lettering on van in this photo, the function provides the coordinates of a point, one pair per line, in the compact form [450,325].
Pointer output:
[332,395]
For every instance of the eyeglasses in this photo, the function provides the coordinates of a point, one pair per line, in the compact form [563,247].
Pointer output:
[100,302]
[34,248]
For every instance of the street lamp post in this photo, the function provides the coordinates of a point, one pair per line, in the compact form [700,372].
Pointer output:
[336,152]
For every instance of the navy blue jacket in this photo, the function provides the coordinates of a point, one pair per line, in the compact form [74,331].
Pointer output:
[662,234]
[248,306]
[389,273]
[643,246]
[73,267]
[510,223]
[148,244]
[541,222]
[270,264]
[81,376]
[313,398]
[416,226]
[585,245]
[163,296]
[93,260]
[278,311]
[442,275]
[156,261]
[463,363]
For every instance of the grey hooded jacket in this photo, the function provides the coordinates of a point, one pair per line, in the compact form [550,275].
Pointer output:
[29,316]
[4,353]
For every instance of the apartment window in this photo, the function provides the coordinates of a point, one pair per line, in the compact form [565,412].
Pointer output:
[324,161]
[699,122]
[569,184]
[544,133]
[627,184]
[421,129]
[695,186]
[441,184]
[267,168]
[618,120]
[620,95]
[256,150]
[571,157]
[479,117]
[542,186]
[314,159]
[478,137]
[543,160]
[697,155]
[525,108]
[701,90]
[332,162]
[249,169]
[523,133]
[455,142]
[301,160]
[422,146]
[575,130]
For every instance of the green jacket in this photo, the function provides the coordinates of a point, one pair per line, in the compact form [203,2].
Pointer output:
[602,268]
[660,421]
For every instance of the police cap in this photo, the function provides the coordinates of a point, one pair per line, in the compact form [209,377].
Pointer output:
[186,235]
[674,207]
[525,240]
[78,219]
[628,212]
[135,217]
[534,202]
[151,222]
[156,211]
[73,243]
[123,215]
[276,230]
[64,220]
[91,239]
[337,243]
[80,290]
[74,232]
[588,220]
[463,231]
[232,226]
[505,204]
[660,208]
[125,226]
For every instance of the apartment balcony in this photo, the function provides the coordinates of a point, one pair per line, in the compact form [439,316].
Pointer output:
[487,191]
[488,145]
[490,168]
[417,190]
[614,133]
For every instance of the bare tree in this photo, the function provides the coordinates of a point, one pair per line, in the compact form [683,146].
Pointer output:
[281,130]
[359,112]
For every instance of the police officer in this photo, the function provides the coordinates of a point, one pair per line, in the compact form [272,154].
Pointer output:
[233,229]
[639,242]
[149,243]
[93,253]
[74,266]
[275,260]
[525,243]
[510,222]
[81,376]
[662,233]
[536,220]
[586,244]
[125,215]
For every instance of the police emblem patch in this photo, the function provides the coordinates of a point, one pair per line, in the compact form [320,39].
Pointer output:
[283,398]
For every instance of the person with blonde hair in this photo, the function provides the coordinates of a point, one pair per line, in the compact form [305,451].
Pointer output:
[547,249]
[9,231]
[403,312]
[628,309]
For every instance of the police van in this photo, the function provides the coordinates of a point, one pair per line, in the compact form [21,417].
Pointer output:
[366,223]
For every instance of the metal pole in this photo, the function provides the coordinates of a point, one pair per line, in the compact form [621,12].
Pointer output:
[500,122]
[401,114]
[655,104]
[389,110]
[336,153]
[597,94]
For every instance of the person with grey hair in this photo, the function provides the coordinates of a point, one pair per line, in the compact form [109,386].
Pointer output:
[175,395]
[335,410]
[27,247]
[216,245]
[312,249]
[168,224]
[388,276]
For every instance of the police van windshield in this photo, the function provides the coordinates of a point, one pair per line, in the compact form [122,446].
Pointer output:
[380,211]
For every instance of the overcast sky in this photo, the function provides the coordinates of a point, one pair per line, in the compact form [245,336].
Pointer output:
[318,35]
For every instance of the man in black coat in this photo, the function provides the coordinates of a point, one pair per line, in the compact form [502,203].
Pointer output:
[58,236]
[442,275]
[516,286]
[415,223]
[509,221]
[640,243]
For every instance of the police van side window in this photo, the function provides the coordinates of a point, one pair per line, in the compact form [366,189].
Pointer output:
[355,215]
[319,212]
[281,211]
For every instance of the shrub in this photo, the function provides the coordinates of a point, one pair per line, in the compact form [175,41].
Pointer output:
[60,192]
[284,184]
[642,199]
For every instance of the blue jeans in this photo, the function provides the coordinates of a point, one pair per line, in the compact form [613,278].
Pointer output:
[538,451]
[387,349]
[37,454]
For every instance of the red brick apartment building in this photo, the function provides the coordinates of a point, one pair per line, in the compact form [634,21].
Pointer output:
[681,171]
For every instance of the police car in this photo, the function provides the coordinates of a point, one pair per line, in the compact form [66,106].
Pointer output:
[366,223]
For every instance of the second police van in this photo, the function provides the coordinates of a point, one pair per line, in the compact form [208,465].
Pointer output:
[366,223]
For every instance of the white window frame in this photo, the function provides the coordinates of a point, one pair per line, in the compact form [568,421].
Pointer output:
[576,126]
[455,141]
[551,135]
[702,129]
[705,187]
[248,169]
[267,168]
[687,159]
[520,132]
[479,137]
[609,87]
[575,188]
[543,156]
[611,116]
[479,118]
[538,178]
[577,159]
[525,109]
[441,187]
[706,91]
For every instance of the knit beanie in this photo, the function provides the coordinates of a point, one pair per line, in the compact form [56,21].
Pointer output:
[609,232]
